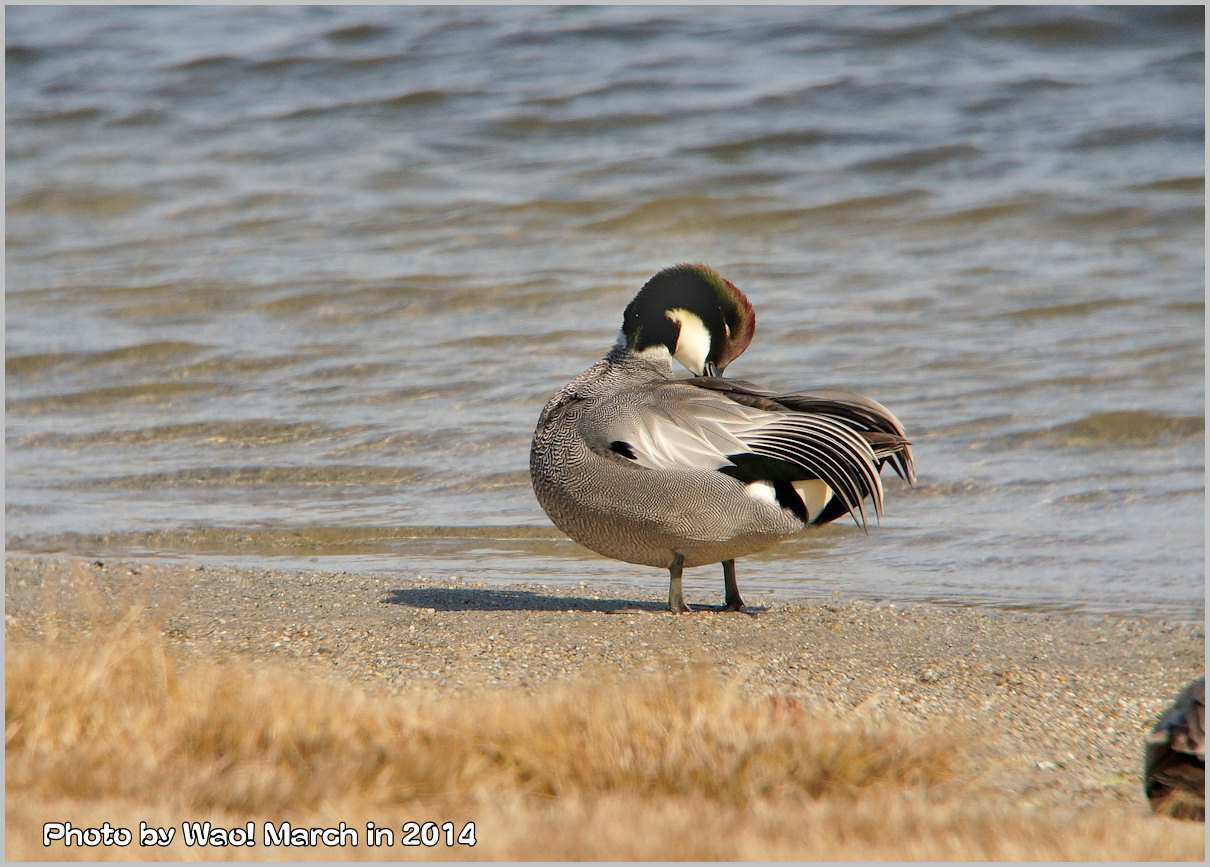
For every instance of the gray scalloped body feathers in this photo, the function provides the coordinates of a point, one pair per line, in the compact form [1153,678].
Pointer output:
[643,467]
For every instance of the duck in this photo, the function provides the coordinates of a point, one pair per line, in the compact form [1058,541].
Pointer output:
[648,468]
[1174,757]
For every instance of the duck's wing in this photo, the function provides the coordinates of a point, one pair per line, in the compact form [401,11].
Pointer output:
[698,424]
[870,419]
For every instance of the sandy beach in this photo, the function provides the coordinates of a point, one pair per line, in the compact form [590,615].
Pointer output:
[1068,699]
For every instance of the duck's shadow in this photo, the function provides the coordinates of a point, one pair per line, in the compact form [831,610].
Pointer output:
[479,599]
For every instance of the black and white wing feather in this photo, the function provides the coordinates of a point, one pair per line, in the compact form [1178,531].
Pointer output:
[870,419]
[729,426]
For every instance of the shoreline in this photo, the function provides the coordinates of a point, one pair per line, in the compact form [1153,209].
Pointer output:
[702,588]
[1069,698]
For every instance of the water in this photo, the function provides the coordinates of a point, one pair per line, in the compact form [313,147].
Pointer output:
[290,286]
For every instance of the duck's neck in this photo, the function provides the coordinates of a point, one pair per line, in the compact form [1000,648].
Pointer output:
[655,359]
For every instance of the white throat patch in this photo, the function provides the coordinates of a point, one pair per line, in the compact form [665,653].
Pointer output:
[693,342]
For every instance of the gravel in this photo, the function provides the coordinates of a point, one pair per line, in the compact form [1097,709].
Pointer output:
[1065,700]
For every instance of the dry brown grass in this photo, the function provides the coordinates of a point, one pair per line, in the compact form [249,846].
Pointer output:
[109,724]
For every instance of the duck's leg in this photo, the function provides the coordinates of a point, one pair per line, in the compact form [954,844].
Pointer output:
[676,602]
[731,600]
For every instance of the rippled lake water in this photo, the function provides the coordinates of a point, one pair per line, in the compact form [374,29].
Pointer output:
[290,285]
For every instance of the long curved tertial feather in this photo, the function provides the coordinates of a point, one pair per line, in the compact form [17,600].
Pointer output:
[877,424]
[732,427]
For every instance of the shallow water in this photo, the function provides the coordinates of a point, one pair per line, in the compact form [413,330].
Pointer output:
[291,285]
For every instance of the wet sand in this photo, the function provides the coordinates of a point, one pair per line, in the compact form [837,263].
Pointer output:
[1066,700]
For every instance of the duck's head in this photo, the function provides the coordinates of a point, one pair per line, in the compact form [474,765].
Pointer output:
[703,321]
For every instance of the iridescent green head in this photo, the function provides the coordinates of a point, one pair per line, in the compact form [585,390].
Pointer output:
[703,320]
